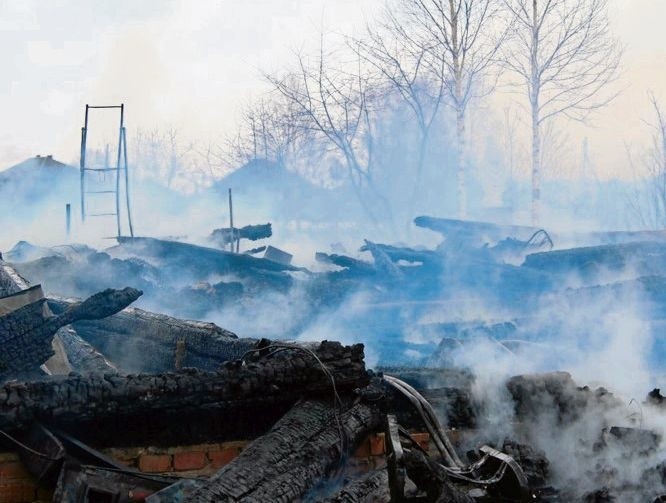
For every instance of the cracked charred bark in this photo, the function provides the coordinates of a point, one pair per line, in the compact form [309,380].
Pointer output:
[26,333]
[128,336]
[302,448]
[371,488]
[112,400]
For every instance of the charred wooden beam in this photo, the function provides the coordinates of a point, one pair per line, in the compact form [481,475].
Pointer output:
[355,265]
[199,260]
[383,263]
[82,357]
[10,281]
[373,487]
[305,446]
[471,232]
[26,334]
[395,253]
[645,259]
[141,341]
[227,235]
[110,401]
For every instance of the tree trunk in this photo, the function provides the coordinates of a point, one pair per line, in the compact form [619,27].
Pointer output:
[536,165]
[307,444]
[535,90]
[416,193]
[460,155]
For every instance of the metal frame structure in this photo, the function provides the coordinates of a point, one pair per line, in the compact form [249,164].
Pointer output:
[119,170]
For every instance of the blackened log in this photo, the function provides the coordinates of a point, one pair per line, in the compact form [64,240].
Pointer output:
[383,262]
[198,261]
[82,357]
[644,259]
[407,254]
[353,264]
[305,446]
[10,281]
[473,233]
[141,341]
[372,488]
[19,299]
[26,334]
[274,379]
[225,235]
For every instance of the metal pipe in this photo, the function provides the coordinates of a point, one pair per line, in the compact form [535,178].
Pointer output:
[120,139]
[231,222]
[127,194]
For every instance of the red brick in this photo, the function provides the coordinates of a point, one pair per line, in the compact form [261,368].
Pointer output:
[377,445]
[220,458]
[155,463]
[13,470]
[193,460]
[363,450]
[17,492]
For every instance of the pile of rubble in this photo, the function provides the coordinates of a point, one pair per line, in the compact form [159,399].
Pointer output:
[78,377]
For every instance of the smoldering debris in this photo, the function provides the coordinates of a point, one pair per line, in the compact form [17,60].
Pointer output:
[462,404]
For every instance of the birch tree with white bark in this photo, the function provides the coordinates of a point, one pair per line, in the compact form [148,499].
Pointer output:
[400,63]
[564,56]
[461,39]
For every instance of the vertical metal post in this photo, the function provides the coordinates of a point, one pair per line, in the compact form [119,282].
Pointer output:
[68,218]
[127,194]
[120,140]
[231,222]
[82,164]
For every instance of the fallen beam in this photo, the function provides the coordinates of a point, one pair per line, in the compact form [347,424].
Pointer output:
[142,341]
[105,406]
[227,235]
[305,446]
[372,488]
[26,334]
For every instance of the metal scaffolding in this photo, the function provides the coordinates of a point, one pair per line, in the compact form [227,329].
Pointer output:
[120,171]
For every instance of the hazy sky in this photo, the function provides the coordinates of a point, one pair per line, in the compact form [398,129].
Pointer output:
[190,63]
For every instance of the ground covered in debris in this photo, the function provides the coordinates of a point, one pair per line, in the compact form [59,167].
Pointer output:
[531,360]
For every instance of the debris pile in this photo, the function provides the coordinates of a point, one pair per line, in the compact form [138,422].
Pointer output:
[78,377]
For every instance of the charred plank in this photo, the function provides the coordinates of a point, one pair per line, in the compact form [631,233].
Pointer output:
[127,337]
[302,448]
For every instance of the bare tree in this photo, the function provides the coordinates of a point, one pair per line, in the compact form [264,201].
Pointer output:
[333,101]
[649,201]
[166,157]
[400,61]
[269,129]
[462,39]
[564,56]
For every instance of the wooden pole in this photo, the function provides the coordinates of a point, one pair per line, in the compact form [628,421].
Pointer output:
[68,218]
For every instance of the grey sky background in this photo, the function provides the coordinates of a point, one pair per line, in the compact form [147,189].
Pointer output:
[190,64]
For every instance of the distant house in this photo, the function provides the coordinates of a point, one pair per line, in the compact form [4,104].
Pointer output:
[38,179]
[272,192]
